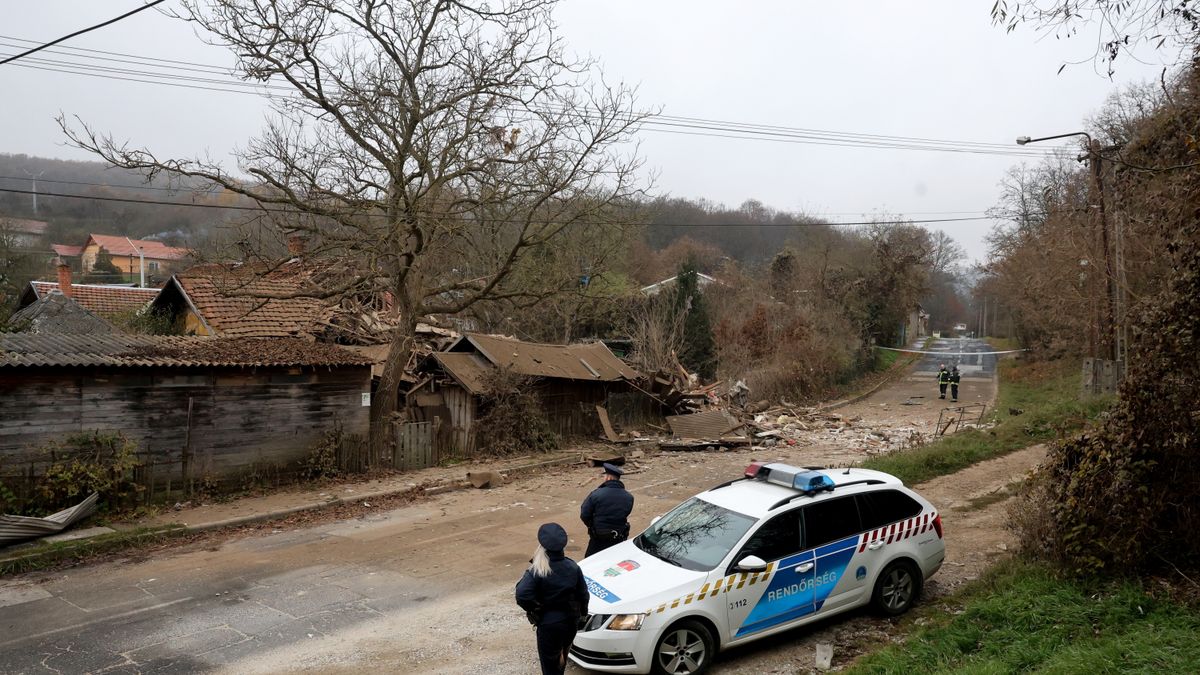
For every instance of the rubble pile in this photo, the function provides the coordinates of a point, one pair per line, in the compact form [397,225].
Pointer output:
[806,426]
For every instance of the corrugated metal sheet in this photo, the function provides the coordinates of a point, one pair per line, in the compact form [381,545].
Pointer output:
[20,528]
[593,361]
[470,370]
[43,350]
[708,425]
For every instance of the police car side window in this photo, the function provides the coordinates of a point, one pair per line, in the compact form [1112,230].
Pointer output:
[830,520]
[884,507]
[779,537]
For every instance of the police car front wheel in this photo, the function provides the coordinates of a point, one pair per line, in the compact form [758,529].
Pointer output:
[686,648]
[897,588]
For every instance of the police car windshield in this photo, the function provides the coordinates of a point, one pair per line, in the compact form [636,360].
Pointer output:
[695,535]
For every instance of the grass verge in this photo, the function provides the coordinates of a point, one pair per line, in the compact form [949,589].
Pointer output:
[43,554]
[1038,401]
[1020,618]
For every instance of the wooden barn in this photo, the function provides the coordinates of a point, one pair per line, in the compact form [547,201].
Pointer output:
[570,381]
[198,408]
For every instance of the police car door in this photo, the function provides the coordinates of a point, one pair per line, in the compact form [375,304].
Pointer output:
[831,532]
[779,594]
[885,521]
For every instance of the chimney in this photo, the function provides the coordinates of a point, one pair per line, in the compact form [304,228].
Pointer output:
[296,242]
[64,277]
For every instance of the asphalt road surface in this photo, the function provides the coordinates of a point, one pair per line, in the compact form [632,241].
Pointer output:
[423,588]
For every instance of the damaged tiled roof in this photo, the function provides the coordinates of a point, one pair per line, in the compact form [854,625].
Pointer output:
[231,302]
[471,358]
[117,245]
[103,300]
[56,313]
[19,350]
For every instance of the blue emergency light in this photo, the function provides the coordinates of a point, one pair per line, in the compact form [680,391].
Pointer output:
[804,480]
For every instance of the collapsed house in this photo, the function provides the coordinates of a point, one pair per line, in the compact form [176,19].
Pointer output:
[570,382]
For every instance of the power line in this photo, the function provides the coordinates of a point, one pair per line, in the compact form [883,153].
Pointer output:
[677,124]
[261,209]
[112,186]
[80,32]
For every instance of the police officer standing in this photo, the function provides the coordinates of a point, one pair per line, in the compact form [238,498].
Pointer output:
[606,512]
[954,379]
[943,380]
[554,595]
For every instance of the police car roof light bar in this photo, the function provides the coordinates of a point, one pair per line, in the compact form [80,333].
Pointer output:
[788,500]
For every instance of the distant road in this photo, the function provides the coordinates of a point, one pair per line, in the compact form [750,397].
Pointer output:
[974,365]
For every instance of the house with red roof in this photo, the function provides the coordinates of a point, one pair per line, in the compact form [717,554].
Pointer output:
[128,255]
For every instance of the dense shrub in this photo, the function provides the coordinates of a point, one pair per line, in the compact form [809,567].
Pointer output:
[512,421]
[77,466]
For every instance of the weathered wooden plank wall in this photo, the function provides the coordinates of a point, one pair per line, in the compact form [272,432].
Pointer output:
[221,423]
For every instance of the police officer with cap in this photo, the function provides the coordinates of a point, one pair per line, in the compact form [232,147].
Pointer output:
[554,595]
[606,512]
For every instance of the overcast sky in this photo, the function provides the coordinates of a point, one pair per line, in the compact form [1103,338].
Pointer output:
[931,69]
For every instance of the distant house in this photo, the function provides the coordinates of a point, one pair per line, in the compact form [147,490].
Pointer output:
[105,301]
[127,255]
[24,233]
[198,408]
[55,313]
[68,253]
[702,281]
[915,326]
[570,380]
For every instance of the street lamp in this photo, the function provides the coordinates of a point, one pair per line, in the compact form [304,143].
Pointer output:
[1024,140]
[1094,156]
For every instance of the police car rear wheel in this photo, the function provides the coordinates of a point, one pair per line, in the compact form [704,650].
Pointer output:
[686,648]
[897,588]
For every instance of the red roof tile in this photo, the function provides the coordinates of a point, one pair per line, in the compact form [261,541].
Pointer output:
[231,301]
[67,250]
[23,225]
[104,300]
[117,245]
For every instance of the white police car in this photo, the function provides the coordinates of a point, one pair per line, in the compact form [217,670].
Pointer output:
[779,548]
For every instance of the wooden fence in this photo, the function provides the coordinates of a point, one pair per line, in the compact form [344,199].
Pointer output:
[415,447]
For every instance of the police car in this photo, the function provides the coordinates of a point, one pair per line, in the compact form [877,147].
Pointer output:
[778,548]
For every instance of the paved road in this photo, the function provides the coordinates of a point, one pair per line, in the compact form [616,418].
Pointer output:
[970,365]
[424,588]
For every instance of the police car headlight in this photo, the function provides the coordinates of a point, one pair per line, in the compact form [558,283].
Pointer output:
[627,622]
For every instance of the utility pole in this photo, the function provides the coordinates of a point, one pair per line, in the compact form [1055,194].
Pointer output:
[1109,340]
[34,178]
[141,261]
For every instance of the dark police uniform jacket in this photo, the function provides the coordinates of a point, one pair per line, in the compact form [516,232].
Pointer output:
[607,508]
[561,596]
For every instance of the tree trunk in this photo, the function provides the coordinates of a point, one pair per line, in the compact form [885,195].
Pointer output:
[386,397]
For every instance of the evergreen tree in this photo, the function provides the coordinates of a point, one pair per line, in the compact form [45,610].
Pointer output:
[698,351]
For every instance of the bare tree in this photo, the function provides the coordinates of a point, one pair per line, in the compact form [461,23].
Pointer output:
[1121,25]
[428,146]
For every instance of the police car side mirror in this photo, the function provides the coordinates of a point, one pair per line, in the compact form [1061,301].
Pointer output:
[751,563]
[655,519]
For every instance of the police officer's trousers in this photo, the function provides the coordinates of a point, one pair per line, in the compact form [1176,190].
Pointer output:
[602,539]
[554,640]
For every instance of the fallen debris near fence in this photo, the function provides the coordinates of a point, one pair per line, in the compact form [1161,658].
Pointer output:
[20,528]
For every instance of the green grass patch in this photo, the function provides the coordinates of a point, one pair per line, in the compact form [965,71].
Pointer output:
[1046,395]
[1021,618]
[42,554]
